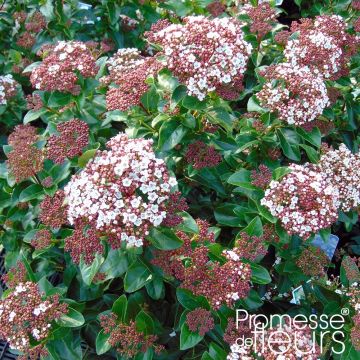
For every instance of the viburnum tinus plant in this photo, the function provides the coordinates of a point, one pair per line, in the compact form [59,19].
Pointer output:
[177,174]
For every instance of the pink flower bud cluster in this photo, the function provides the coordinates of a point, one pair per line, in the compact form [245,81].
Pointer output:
[70,141]
[303,201]
[322,44]
[200,155]
[26,316]
[262,18]
[341,169]
[8,88]
[200,320]
[58,71]
[219,283]
[204,53]
[128,70]
[295,93]
[121,192]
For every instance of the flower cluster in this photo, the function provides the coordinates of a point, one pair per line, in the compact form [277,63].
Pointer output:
[71,139]
[15,275]
[121,192]
[351,267]
[200,155]
[36,22]
[216,8]
[53,210]
[303,201]
[312,262]
[262,177]
[59,69]
[42,239]
[322,44]
[200,320]
[83,243]
[8,88]
[219,283]
[171,261]
[34,102]
[26,316]
[204,53]
[340,169]
[128,70]
[250,247]
[262,18]
[25,159]
[174,205]
[295,93]
[126,339]
[355,332]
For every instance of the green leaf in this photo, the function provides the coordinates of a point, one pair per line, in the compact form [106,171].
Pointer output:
[221,116]
[86,157]
[178,94]
[225,215]
[313,137]
[88,271]
[144,323]
[260,275]
[73,318]
[167,81]
[289,145]
[188,339]
[33,115]
[156,288]
[34,191]
[28,268]
[280,172]
[240,178]
[253,105]
[188,223]
[193,103]
[171,134]
[115,264]
[102,343]
[150,100]
[58,99]
[137,276]
[311,153]
[190,301]
[119,307]
[255,227]
[164,239]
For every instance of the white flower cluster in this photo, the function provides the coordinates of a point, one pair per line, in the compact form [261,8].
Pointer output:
[303,201]
[296,93]
[341,169]
[123,61]
[295,52]
[7,88]
[319,46]
[122,191]
[205,53]
[238,352]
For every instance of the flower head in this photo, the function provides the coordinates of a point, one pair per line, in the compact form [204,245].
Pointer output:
[58,71]
[72,137]
[295,93]
[204,53]
[121,192]
[303,201]
[26,316]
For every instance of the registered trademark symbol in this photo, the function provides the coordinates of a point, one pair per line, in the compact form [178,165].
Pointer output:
[345,311]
